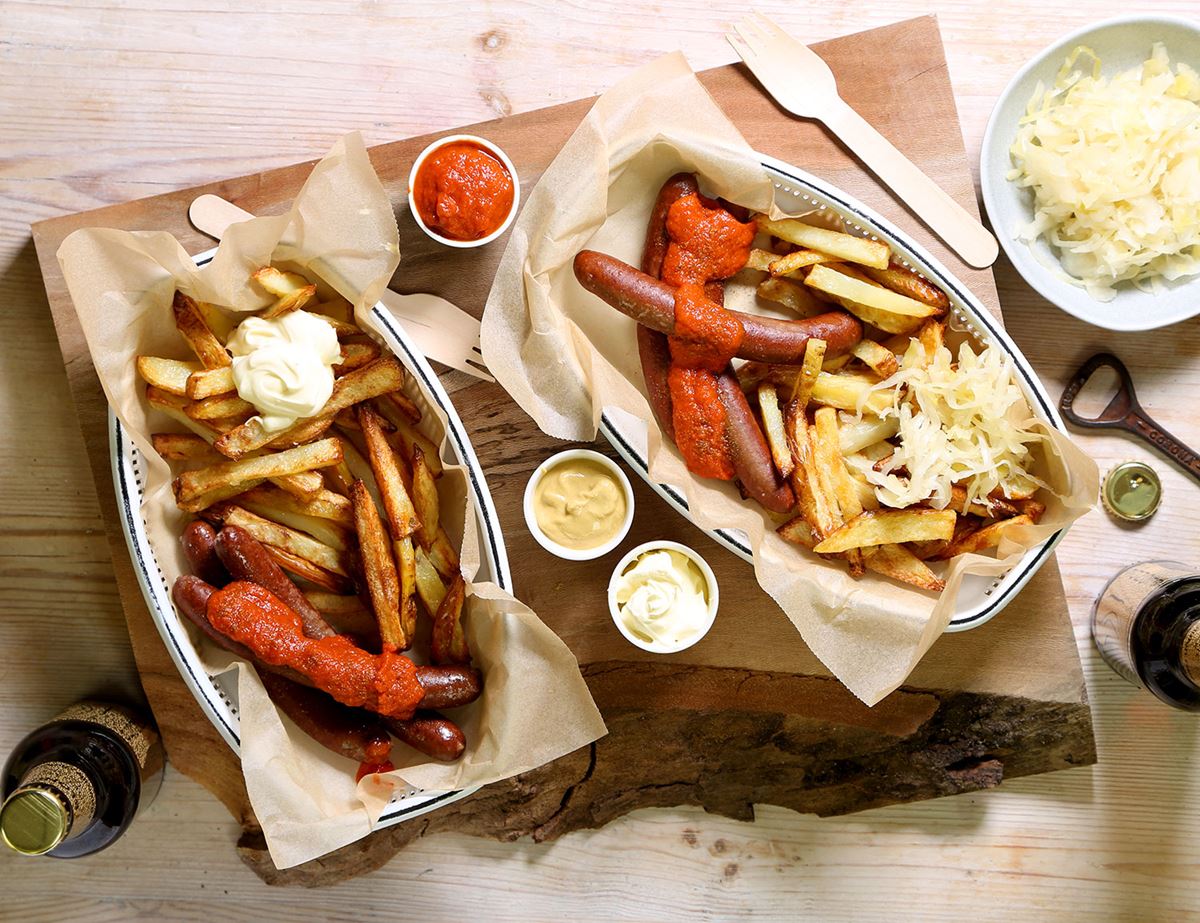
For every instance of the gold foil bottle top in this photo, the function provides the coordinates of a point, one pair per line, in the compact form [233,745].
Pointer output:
[1132,491]
[33,821]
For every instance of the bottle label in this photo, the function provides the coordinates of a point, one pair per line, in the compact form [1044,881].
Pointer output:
[137,735]
[1117,609]
[72,784]
[1189,653]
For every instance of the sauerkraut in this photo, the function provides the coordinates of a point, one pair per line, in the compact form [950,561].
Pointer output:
[959,423]
[1114,166]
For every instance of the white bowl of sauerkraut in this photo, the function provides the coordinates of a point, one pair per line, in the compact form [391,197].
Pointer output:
[1090,172]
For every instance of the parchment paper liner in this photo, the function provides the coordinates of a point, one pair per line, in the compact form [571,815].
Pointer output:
[565,356]
[341,227]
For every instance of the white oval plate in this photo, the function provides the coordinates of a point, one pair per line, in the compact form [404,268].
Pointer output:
[218,695]
[980,597]
[1120,44]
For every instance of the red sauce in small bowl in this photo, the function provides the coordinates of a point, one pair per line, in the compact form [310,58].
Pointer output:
[462,191]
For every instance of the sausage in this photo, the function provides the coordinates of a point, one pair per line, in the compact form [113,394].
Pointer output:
[449,687]
[655,249]
[431,734]
[751,457]
[349,732]
[200,548]
[652,303]
[191,595]
[246,559]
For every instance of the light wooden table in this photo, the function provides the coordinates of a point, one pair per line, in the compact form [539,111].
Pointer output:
[106,101]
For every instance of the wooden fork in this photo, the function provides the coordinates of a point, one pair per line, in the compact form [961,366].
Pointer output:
[443,331]
[804,85]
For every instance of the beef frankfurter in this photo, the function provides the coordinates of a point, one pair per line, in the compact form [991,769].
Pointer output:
[350,732]
[651,303]
[748,446]
[246,559]
[431,734]
[653,350]
[199,541]
[445,687]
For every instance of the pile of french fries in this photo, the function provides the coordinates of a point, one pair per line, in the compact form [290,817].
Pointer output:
[313,493]
[825,426]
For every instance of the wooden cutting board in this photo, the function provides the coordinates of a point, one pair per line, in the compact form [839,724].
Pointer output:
[748,715]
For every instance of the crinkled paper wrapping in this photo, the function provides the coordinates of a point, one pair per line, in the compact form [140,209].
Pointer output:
[565,356]
[341,228]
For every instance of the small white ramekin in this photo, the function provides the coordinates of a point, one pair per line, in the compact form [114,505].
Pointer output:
[710,581]
[496,152]
[576,554]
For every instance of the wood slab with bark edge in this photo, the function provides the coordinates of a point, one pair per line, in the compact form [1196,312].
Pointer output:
[748,715]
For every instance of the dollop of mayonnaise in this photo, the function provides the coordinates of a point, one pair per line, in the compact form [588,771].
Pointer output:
[284,366]
[663,599]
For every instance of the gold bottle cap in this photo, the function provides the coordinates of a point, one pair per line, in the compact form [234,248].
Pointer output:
[33,821]
[1132,491]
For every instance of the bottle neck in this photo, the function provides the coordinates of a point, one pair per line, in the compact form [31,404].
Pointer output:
[54,802]
[1189,652]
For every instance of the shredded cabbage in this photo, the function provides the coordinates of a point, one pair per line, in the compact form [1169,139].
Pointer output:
[1114,164]
[959,423]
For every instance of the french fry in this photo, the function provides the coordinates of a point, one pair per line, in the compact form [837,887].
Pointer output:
[834,243]
[792,295]
[409,437]
[342,328]
[346,614]
[307,570]
[424,498]
[191,484]
[194,329]
[218,408]
[268,503]
[448,643]
[889,527]
[844,391]
[278,282]
[184,447]
[900,279]
[810,370]
[797,531]
[173,406]
[982,539]
[273,533]
[379,569]
[443,556]
[410,411]
[360,470]
[200,503]
[402,515]
[325,504]
[881,360]
[304,484]
[372,380]
[932,337]
[760,259]
[985,507]
[854,436]
[1032,508]
[356,355]
[339,476]
[292,301]
[430,587]
[170,375]
[406,568]
[899,563]
[768,404]
[337,307]
[834,363]
[221,322]
[791,263]
[894,309]
[210,382]
[825,423]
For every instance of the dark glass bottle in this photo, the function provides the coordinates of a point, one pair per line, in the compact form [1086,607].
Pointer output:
[74,785]
[1146,625]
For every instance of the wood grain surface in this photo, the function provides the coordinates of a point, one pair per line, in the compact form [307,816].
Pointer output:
[101,104]
[810,746]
